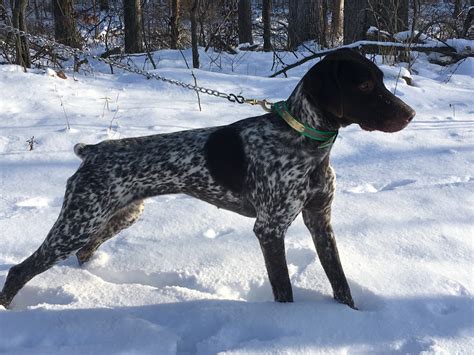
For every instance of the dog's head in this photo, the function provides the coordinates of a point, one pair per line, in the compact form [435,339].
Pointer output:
[349,87]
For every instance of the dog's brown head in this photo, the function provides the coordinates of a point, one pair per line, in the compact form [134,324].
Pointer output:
[350,88]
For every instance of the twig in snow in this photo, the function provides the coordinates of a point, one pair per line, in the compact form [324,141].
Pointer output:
[115,118]
[194,77]
[31,142]
[106,104]
[68,126]
[396,82]
[454,71]
[454,110]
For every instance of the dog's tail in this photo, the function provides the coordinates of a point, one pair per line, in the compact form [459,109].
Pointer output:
[80,150]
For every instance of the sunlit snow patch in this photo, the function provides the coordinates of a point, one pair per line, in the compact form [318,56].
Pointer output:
[34,202]
[210,233]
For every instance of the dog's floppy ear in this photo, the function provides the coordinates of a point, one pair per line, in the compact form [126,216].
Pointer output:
[322,85]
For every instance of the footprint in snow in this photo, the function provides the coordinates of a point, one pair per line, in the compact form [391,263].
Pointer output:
[396,184]
[362,189]
[35,296]
[371,188]
[365,299]
[300,257]
[155,279]
[212,234]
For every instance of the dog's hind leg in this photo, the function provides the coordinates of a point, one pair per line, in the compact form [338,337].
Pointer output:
[84,214]
[62,240]
[122,219]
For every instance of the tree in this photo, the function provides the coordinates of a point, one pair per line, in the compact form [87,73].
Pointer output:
[457,8]
[355,20]
[467,23]
[245,21]
[194,37]
[337,19]
[306,21]
[3,12]
[174,24]
[133,26]
[359,15]
[21,46]
[267,30]
[65,30]
[389,15]
[104,5]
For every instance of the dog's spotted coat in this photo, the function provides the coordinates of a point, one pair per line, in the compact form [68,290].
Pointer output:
[258,167]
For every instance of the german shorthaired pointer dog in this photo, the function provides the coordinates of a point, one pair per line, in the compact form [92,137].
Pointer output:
[270,167]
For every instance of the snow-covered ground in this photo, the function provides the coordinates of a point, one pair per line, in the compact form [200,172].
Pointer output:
[189,278]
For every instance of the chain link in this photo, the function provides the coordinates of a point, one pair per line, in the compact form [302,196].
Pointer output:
[78,52]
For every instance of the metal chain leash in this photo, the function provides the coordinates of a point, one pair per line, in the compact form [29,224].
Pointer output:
[267,106]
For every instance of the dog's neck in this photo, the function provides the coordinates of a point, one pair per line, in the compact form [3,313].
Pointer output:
[301,107]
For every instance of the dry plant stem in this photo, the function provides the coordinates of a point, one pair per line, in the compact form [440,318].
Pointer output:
[68,126]
[31,143]
[106,105]
[194,78]
[396,82]
[147,48]
[114,118]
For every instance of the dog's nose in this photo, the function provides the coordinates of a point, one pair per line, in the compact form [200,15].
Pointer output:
[411,114]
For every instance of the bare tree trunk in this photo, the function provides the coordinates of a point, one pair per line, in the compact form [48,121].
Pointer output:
[3,12]
[245,21]
[323,23]
[18,21]
[267,30]
[306,22]
[388,15]
[104,5]
[65,30]
[293,24]
[467,23]
[133,26]
[398,13]
[194,37]
[355,20]
[35,9]
[359,15]
[457,8]
[337,18]
[174,23]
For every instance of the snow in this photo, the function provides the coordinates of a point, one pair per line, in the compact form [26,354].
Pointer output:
[461,45]
[190,278]
[406,35]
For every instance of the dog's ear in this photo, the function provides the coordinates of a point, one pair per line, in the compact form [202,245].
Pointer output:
[322,86]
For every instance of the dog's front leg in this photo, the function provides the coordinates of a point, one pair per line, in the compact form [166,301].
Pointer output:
[316,216]
[272,243]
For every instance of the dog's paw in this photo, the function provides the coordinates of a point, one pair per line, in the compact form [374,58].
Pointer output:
[83,256]
[3,302]
[283,296]
[347,300]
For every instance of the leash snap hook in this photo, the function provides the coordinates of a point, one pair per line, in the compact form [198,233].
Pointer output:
[264,104]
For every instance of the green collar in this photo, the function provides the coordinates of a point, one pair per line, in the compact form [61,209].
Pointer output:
[327,137]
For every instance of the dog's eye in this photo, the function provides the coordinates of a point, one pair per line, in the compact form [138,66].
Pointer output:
[366,86]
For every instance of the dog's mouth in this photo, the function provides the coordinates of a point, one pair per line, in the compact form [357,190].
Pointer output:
[390,127]
[390,122]
[366,128]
